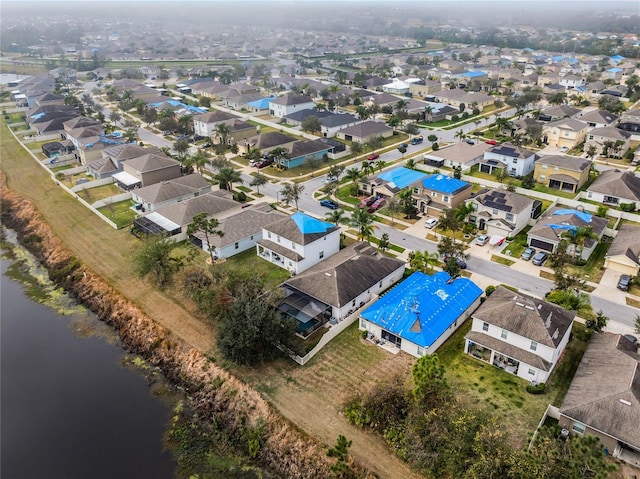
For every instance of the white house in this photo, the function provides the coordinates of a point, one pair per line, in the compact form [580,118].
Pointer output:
[287,104]
[298,242]
[614,187]
[523,335]
[205,124]
[517,161]
[501,212]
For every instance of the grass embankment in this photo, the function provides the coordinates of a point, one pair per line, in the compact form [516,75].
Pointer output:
[312,402]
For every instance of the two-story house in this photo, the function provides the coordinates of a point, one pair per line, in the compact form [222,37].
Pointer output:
[609,141]
[520,334]
[517,161]
[439,192]
[500,212]
[205,124]
[298,242]
[170,191]
[460,154]
[565,133]
[562,172]
[146,170]
[287,104]
[598,119]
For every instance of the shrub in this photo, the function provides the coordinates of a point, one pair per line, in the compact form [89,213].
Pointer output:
[241,196]
[628,207]
[435,147]
[537,389]
[432,138]
[364,334]
[489,290]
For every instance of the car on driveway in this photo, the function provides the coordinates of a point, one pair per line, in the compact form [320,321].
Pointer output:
[329,204]
[367,202]
[264,162]
[624,282]
[430,223]
[462,264]
[564,149]
[482,240]
[373,156]
[528,253]
[540,257]
[376,205]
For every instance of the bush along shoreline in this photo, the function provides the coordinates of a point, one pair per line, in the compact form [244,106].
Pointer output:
[216,400]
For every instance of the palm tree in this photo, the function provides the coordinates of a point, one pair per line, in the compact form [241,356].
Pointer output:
[393,207]
[222,132]
[197,161]
[423,260]
[462,211]
[363,222]
[292,192]
[367,168]
[277,154]
[460,134]
[411,164]
[577,237]
[259,180]
[380,164]
[353,175]
[337,217]
[428,114]
[227,176]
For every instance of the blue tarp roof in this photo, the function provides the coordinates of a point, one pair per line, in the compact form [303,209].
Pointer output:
[180,104]
[37,116]
[402,177]
[473,74]
[443,183]
[617,58]
[586,217]
[423,307]
[614,70]
[261,104]
[307,225]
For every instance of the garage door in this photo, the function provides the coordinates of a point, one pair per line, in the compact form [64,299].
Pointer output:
[541,245]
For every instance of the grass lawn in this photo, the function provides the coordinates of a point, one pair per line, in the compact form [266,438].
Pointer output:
[99,192]
[249,260]
[120,213]
[344,194]
[518,245]
[480,383]
[499,259]
[632,302]
[594,269]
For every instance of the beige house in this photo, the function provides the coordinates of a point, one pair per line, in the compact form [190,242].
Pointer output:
[567,133]
[363,132]
[609,141]
[424,88]
[438,192]
[460,154]
[624,253]
[458,97]
[562,172]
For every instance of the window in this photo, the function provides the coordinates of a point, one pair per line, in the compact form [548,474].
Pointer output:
[362,323]
[556,169]
[533,346]
[494,211]
[589,194]
[532,372]
[542,177]
[515,161]
[578,427]
[566,133]
[278,238]
[591,137]
[544,167]
[269,234]
[485,326]
[420,351]
[321,255]
[380,285]
[445,199]
[251,237]
[504,334]
[415,191]
[236,246]
[509,216]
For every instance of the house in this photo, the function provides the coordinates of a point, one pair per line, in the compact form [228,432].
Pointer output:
[554,226]
[614,187]
[365,131]
[456,98]
[562,172]
[205,124]
[439,192]
[330,123]
[287,104]
[521,334]
[389,183]
[298,242]
[242,229]
[265,142]
[567,133]
[418,315]
[146,170]
[558,112]
[460,154]
[112,157]
[501,213]
[598,119]
[396,87]
[604,397]
[609,141]
[334,288]
[624,253]
[302,151]
[424,88]
[517,161]
[170,191]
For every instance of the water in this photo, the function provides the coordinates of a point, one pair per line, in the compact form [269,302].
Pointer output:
[70,408]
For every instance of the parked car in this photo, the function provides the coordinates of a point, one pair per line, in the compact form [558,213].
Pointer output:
[264,162]
[329,204]
[491,142]
[540,258]
[403,145]
[417,140]
[461,263]
[368,202]
[564,149]
[528,253]
[624,282]
[482,240]
[470,141]
[377,204]
[431,223]
[373,156]
[253,162]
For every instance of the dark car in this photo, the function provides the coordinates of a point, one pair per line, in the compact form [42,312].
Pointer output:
[461,263]
[403,146]
[417,140]
[376,205]
[264,162]
[329,204]
[528,253]
[539,258]
[624,282]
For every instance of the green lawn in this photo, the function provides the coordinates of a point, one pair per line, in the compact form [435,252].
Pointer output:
[501,260]
[344,194]
[481,383]
[594,269]
[120,213]
[518,244]
[249,260]
[99,193]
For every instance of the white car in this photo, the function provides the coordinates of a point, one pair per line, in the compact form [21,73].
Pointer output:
[430,223]
[482,240]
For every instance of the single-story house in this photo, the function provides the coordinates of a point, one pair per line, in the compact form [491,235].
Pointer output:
[170,191]
[363,132]
[302,151]
[418,315]
[521,334]
[614,187]
[460,154]
[333,289]
[604,397]
[624,253]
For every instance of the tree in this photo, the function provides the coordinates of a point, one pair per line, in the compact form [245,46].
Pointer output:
[154,257]
[198,161]
[460,134]
[557,98]
[380,164]
[353,175]
[337,217]
[423,261]
[292,192]
[334,172]
[383,242]
[430,383]
[591,151]
[374,143]
[340,451]
[226,177]
[356,148]
[259,180]
[362,221]
[411,164]
[115,117]
[599,323]
[181,147]
[500,174]
[312,162]
[393,207]
[311,124]
[149,116]
[222,132]
[450,220]
[449,247]
[207,226]
[407,201]
[452,267]
[457,172]
[577,237]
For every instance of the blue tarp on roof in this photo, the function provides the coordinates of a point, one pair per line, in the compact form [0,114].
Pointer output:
[176,103]
[443,183]
[307,225]
[614,70]
[402,177]
[586,217]
[37,116]
[473,74]
[423,307]
[261,104]
[617,58]
[563,227]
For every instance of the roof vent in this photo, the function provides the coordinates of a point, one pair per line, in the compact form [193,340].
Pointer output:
[625,402]
[540,306]
[519,304]
[327,274]
[530,308]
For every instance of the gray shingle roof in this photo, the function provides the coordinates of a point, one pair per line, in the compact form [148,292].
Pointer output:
[212,204]
[568,162]
[151,162]
[288,229]
[626,243]
[605,391]
[504,200]
[510,350]
[543,230]
[292,100]
[621,184]
[367,128]
[529,317]
[170,189]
